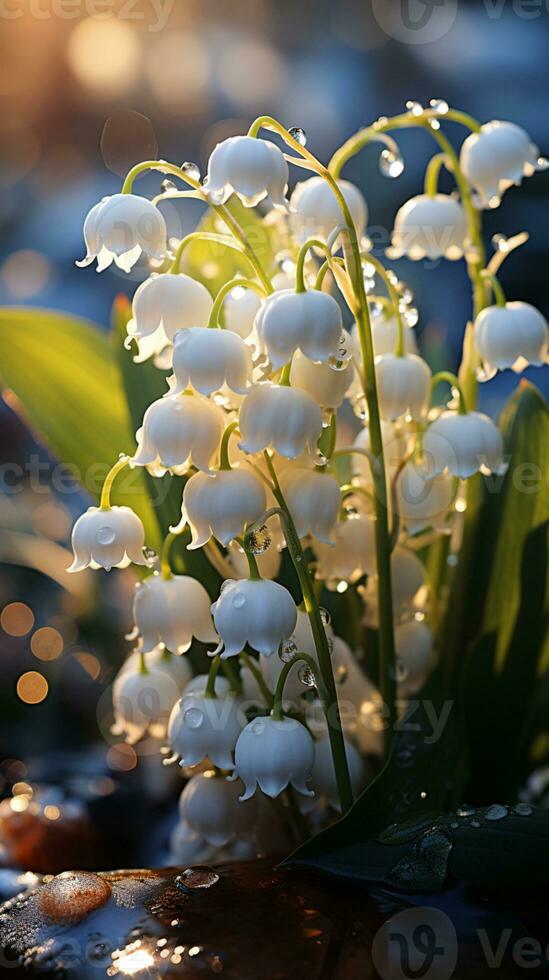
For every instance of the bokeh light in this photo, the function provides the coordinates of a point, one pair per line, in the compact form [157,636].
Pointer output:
[25,273]
[121,757]
[32,687]
[104,56]
[47,643]
[89,663]
[179,70]
[17,619]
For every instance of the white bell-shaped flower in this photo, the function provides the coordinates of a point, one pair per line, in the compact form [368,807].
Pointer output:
[210,807]
[314,500]
[430,227]
[273,754]
[496,158]
[395,447]
[248,167]
[107,539]
[414,650]
[203,727]
[423,501]
[221,505]
[385,335]
[353,554]
[120,228]
[463,444]
[208,359]
[178,668]
[309,321]
[323,777]
[178,430]
[408,576]
[142,703]
[328,385]
[172,611]
[511,336]
[285,418]
[315,212]
[404,385]
[257,612]
[239,310]
[161,306]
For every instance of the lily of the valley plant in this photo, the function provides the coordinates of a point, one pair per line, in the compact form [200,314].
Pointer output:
[260,374]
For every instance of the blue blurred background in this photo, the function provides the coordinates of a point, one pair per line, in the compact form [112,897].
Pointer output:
[87,88]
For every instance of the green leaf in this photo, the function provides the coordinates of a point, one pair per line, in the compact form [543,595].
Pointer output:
[67,386]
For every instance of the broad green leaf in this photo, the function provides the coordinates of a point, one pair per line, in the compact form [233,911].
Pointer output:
[67,385]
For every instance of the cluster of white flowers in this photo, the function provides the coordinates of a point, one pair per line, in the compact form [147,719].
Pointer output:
[249,418]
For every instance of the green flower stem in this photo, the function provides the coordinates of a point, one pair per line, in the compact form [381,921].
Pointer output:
[394,298]
[202,236]
[496,287]
[329,700]
[105,502]
[143,669]
[224,461]
[165,566]
[432,173]
[250,663]
[224,292]
[232,676]
[277,711]
[254,573]
[303,252]
[212,674]
[223,212]
[284,378]
[455,383]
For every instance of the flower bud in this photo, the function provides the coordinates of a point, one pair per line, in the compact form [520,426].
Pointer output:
[240,309]
[120,228]
[463,444]
[258,612]
[142,703]
[310,321]
[248,167]
[431,227]
[403,386]
[221,505]
[203,727]
[496,158]
[511,336]
[323,777]
[273,754]
[384,335]
[210,807]
[423,501]
[279,416]
[172,611]
[313,499]
[208,359]
[199,683]
[326,384]
[353,554]
[161,306]
[315,211]
[177,431]
[414,650]
[178,668]
[107,539]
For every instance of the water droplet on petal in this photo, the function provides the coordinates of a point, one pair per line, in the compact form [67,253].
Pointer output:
[196,879]
[496,812]
[193,717]
[391,164]
[306,676]
[259,540]
[299,135]
[523,809]
[287,650]
[239,600]
[105,535]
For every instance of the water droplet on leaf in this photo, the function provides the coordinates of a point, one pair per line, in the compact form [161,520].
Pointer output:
[496,812]
[196,879]
[299,135]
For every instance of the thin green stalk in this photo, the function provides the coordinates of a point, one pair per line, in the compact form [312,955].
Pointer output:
[201,236]
[224,292]
[432,172]
[455,383]
[224,461]
[395,301]
[212,674]
[165,566]
[496,287]
[301,258]
[277,711]
[258,677]
[105,502]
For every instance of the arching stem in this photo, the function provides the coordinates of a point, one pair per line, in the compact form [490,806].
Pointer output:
[105,502]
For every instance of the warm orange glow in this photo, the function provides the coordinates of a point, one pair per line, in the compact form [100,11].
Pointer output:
[17,619]
[121,757]
[52,812]
[46,643]
[32,687]
[89,663]
[25,273]
[104,56]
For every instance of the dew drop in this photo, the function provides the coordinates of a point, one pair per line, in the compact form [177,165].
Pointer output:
[325,616]
[191,170]
[193,718]
[287,650]
[150,556]
[299,135]
[542,163]
[415,108]
[496,812]
[105,535]
[454,825]
[167,185]
[320,459]
[72,895]
[306,676]
[239,600]
[259,540]
[391,164]
[465,810]
[341,674]
[196,879]
[500,242]
[523,809]
[475,823]
[411,316]
[440,106]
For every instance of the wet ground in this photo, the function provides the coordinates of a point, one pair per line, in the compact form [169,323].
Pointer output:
[251,922]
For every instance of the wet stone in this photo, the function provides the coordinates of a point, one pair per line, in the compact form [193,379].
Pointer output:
[196,879]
